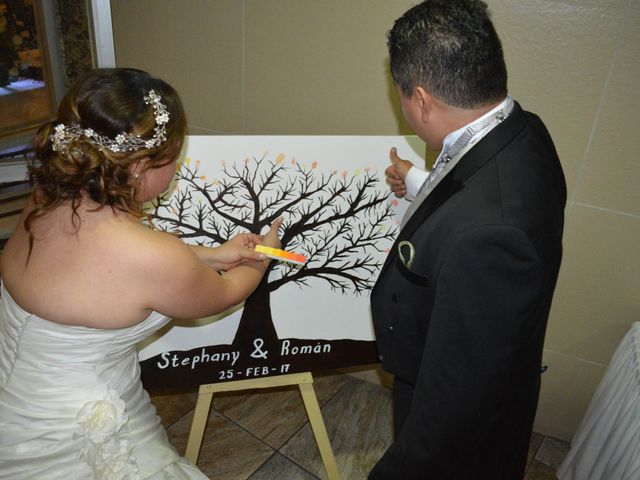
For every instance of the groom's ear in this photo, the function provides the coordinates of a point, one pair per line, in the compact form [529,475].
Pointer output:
[424,101]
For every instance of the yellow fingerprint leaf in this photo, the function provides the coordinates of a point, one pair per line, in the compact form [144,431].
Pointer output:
[280,158]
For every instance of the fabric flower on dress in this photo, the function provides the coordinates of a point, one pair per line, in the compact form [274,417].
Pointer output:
[102,423]
[101,419]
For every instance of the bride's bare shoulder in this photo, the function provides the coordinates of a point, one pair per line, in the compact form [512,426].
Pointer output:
[149,252]
[141,240]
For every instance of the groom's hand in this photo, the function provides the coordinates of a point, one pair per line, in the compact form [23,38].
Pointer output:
[396,172]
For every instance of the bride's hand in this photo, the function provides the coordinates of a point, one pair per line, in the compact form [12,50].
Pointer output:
[239,249]
[271,238]
[233,252]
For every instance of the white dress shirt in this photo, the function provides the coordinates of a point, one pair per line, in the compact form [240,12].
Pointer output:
[416,176]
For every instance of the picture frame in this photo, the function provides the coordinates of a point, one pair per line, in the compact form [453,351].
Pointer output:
[27,95]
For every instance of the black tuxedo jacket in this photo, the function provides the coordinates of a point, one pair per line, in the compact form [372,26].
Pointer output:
[465,325]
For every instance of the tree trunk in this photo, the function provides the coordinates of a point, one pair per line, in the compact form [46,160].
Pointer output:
[256,322]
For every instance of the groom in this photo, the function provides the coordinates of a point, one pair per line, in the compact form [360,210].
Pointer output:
[461,305]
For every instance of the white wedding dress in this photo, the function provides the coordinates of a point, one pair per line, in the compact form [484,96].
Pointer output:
[72,406]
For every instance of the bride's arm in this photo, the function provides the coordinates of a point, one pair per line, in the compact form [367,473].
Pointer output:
[237,250]
[177,283]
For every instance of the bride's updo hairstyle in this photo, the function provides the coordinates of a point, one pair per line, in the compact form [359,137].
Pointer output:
[106,122]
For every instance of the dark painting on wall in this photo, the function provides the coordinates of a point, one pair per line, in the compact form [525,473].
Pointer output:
[26,92]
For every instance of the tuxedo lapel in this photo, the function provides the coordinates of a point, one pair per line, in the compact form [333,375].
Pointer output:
[487,148]
[490,145]
[440,194]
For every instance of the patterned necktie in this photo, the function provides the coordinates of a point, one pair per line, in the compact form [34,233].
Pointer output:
[452,152]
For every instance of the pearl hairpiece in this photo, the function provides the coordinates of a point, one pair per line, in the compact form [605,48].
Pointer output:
[124,142]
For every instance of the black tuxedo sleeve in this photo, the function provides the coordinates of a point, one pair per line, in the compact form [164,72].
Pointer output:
[485,297]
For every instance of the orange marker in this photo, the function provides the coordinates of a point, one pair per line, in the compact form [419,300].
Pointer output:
[282,255]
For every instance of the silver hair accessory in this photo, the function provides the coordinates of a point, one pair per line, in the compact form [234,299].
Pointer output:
[123,142]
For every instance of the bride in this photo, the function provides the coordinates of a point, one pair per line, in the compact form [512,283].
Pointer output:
[84,280]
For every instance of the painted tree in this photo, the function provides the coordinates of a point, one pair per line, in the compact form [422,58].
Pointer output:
[338,220]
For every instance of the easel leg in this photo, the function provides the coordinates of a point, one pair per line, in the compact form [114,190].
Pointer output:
[200,416]
[304,382]
[319,430]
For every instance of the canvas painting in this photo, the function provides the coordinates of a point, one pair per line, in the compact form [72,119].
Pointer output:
[338,214]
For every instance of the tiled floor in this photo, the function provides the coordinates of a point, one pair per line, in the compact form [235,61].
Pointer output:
[264,435]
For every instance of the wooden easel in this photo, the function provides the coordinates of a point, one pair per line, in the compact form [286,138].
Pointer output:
[304,382]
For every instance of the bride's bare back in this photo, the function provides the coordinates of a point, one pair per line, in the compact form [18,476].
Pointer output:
[91,277]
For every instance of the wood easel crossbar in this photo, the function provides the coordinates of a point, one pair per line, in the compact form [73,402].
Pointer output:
[304,382]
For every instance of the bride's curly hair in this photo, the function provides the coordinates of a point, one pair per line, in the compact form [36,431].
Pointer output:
[110,102]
